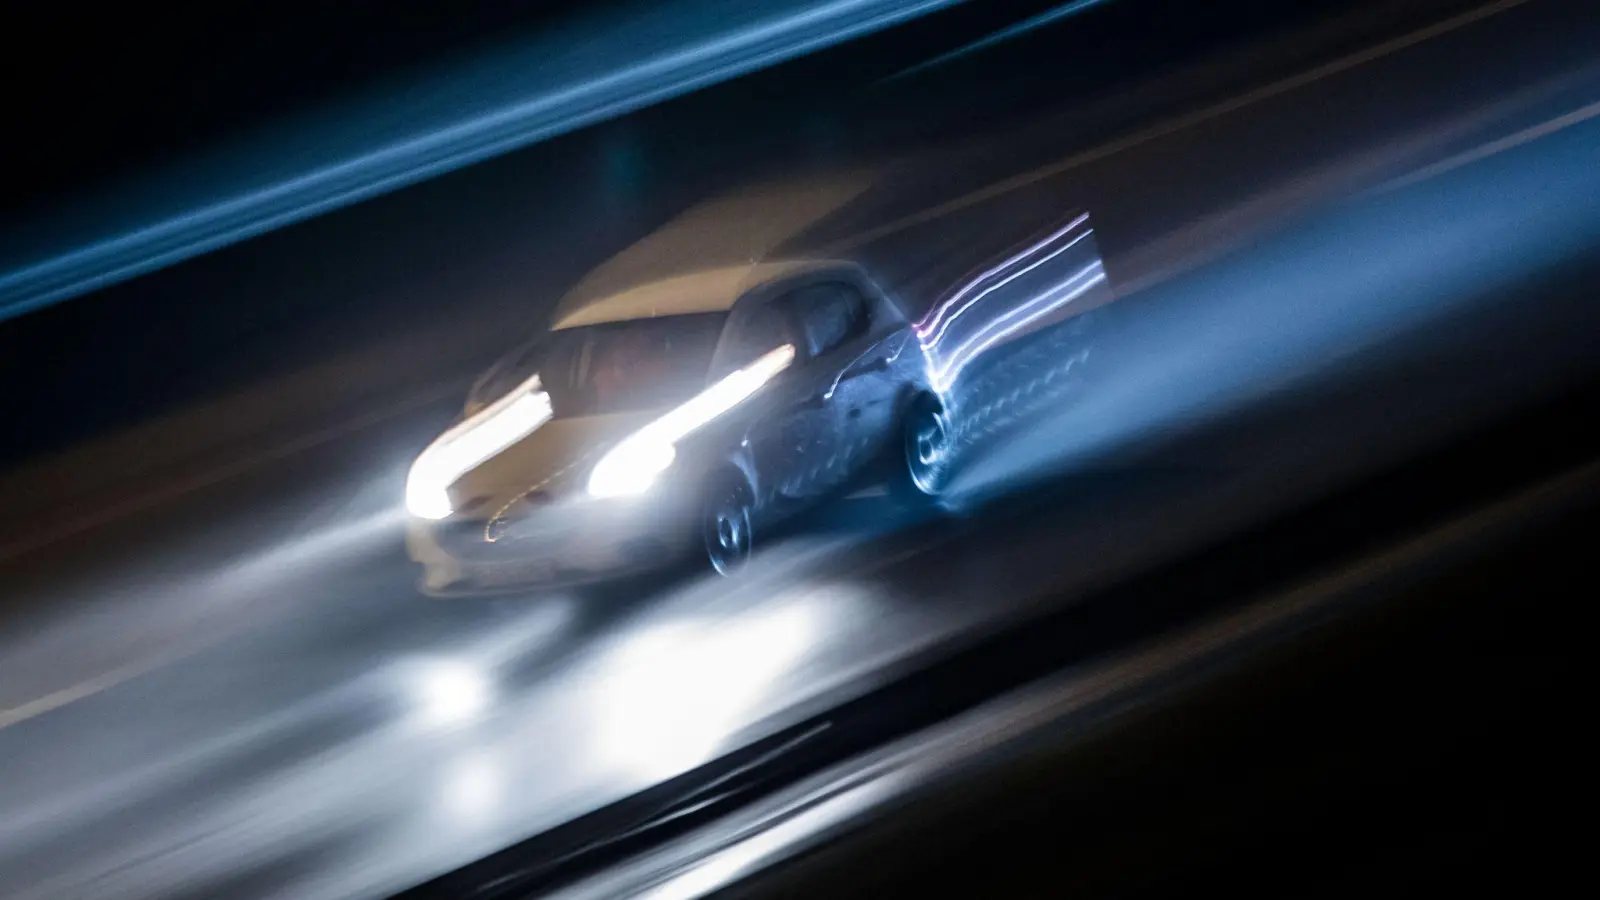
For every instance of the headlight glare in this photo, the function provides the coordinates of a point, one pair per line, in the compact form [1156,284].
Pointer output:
[638,460]
[467,445]
[631,467]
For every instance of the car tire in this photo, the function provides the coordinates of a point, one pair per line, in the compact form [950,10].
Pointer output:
[726,525]
[927,442]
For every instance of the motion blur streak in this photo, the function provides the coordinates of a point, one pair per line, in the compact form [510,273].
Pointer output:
[1506,143]
[1452,244]
[1039,307]
[1005,34]
[771,842]
[326,542]
[1181,123]
[741,40]
[1024,305]
[351,738]
[937,320]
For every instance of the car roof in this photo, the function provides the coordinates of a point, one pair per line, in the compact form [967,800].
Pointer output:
[704,291]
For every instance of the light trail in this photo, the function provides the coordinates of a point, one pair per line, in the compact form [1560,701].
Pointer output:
[743,38]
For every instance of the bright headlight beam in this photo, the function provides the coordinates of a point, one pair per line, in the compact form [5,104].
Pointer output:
[635,462]
[631,467]
[467,445]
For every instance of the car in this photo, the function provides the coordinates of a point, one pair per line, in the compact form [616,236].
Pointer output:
[694,413]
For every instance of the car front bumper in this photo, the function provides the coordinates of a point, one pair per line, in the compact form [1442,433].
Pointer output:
[564,544]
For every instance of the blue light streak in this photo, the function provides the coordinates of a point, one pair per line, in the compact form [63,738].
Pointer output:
[750,40]
[1005,34]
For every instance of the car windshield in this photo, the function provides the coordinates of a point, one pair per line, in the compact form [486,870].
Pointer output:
[628,366]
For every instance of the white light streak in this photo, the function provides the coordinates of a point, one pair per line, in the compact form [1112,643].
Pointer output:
[1048,302]
[635,463]
[467,445]
[925,329]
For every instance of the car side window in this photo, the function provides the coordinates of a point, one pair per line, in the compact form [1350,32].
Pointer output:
[760,329]
[832,313]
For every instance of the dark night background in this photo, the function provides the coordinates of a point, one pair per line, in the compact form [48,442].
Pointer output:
[97,93]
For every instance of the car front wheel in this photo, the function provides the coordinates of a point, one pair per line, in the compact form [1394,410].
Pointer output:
[726,527]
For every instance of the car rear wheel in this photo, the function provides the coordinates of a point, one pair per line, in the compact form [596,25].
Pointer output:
[726,527]
[927,447]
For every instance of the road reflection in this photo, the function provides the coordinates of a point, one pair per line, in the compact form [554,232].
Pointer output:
[670,695]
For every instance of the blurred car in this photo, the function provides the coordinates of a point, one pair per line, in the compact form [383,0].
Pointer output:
[693,413]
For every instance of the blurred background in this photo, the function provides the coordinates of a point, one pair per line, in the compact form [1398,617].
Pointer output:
[1282,596]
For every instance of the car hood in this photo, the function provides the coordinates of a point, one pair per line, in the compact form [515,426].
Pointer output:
[555,457]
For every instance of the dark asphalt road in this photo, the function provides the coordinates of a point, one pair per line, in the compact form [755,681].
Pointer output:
[1315,280]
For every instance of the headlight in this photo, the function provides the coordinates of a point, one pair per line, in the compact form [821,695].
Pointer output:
[634,464]
[467,445]
[631,466]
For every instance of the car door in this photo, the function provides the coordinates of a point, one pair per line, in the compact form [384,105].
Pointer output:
[778,426]
[851,404]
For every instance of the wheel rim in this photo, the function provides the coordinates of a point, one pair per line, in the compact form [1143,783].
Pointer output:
[728,535]
[928,449]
